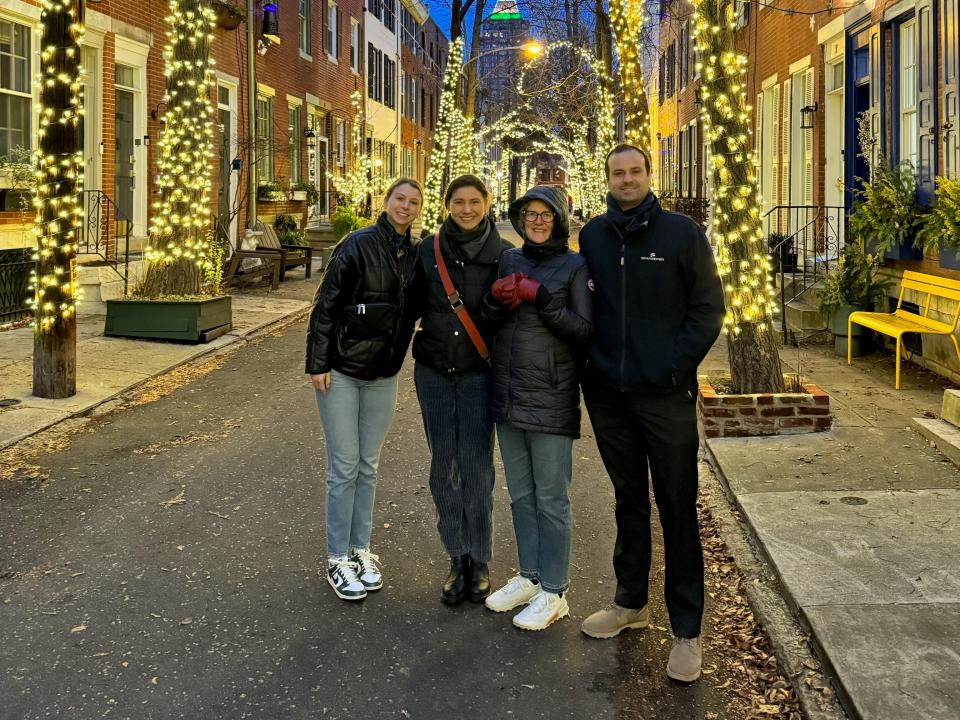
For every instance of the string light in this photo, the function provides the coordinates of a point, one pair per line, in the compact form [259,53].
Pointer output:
[58,167]
[455,149]
[178,248]
[627,18]
[365,177]
[736,227]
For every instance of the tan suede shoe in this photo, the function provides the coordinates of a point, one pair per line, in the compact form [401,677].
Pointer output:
[686,657]
[613,620]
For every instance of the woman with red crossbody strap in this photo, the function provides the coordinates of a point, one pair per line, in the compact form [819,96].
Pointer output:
[455,269]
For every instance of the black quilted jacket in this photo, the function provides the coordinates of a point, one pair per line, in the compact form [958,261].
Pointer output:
[537,353]
[441,342]
[359,324]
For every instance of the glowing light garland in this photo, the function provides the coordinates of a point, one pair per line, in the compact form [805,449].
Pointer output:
[180,227]
[365,177]
[455,148]
[628,17]
[586,145]
[735,222]
[58,167]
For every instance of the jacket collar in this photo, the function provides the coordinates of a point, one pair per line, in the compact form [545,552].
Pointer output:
[627,222]
[388,232]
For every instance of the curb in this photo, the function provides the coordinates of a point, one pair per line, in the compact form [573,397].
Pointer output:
[234,344]
[791,642]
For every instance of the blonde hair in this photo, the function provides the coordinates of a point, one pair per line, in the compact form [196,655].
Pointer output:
[402,181]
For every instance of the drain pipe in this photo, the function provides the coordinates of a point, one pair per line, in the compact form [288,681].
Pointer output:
[251,119]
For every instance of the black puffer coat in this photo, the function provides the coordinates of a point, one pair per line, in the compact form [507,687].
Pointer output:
[537,350]
[359,325]
[441,342]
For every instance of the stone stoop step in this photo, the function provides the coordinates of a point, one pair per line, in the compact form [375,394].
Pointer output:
[99,283]
[803,316]
[944,432]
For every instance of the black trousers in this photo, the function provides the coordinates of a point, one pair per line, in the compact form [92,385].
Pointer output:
[641,435]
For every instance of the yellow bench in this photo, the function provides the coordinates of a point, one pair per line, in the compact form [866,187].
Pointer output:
[902,321]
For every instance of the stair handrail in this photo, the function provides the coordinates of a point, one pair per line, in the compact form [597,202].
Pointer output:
[823,229]
[101,210]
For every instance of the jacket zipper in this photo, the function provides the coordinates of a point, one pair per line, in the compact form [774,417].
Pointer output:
[623,313]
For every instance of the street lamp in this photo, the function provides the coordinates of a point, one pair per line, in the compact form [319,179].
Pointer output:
[532,48]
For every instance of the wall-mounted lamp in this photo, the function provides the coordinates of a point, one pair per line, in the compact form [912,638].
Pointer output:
[806,116]
[310,137]
[155,114]
[271,24]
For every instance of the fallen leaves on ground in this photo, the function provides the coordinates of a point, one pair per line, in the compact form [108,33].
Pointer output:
[764,693]
[161,386]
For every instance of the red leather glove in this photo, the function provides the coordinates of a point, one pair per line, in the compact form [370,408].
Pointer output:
[504,290]
[527,290]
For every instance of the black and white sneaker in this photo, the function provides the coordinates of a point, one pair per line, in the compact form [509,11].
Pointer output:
[342,577]
[368,569]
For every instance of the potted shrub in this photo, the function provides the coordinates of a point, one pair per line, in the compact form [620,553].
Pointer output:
[941,228]
[287,231]
[305,191]
[851,286]
[270,191]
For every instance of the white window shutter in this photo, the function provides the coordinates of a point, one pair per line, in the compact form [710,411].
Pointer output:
[775,138]
[758,140]
[785,145]
[808,141]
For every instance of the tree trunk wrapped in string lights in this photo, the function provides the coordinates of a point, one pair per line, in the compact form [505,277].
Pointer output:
[180,230]
[59,164]
[628,17]
[736,227]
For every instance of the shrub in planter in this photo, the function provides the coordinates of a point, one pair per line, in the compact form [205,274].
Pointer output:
[312,196]
[346,220]
[852,285]
[271,192]
[941,227]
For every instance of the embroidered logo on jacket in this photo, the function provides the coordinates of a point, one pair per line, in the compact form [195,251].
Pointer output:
[652,256]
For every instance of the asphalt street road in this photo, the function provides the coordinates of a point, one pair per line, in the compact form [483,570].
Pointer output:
[163,563]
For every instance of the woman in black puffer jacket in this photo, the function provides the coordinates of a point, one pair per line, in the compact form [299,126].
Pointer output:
[359,331]
[546,312]
[453,379]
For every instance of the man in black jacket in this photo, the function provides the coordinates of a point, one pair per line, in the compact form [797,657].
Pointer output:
[659,308]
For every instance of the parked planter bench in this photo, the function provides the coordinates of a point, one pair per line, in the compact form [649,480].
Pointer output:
[188,320]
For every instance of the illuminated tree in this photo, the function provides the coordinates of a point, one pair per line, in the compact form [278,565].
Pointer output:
[364,180]
[59,178]
[736,227]
[180,229]
[628,17]
[455,149]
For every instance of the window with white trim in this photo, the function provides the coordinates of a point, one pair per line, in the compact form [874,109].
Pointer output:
[264,138]
[908,92]
[354,45]
[333,26]
[16,98]
[340,130]
[305,29]
[293,140]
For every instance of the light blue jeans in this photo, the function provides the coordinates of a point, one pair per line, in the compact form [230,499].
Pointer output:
[538,468]
[356,415]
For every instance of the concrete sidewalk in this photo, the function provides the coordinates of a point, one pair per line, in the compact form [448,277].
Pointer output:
[862,527]
[108,367]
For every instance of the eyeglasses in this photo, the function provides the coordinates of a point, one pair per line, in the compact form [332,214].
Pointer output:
[531,216]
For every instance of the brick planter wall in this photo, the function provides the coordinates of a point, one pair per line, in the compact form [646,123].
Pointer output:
[761,413]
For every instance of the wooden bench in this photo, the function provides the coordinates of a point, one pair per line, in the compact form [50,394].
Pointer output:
[901,321]
[269,265]
[291,256]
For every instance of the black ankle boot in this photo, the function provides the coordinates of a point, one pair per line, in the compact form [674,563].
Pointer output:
[479,586]
[455,586]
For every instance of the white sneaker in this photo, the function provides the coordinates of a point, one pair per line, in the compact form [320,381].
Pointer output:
[342,577]
[368,569]
[519,591]
[545,609]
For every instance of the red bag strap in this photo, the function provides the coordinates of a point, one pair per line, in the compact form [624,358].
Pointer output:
[459,309]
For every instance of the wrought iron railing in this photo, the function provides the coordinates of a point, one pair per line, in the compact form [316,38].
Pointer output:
[695,207]
[15,267]
[106,232]
[804,242]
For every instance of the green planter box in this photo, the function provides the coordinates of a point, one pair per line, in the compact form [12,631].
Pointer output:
[195,321]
